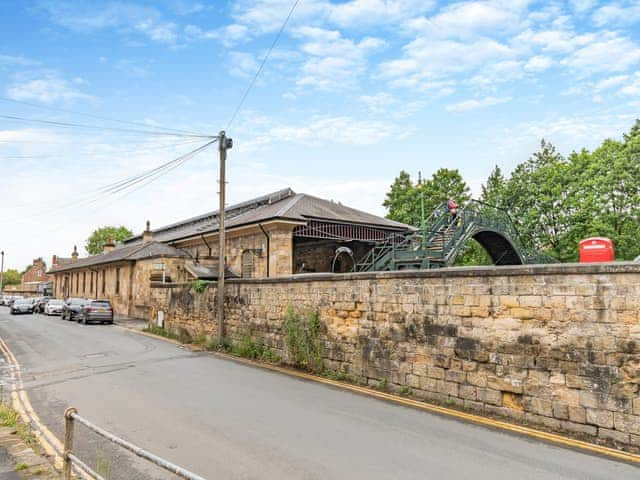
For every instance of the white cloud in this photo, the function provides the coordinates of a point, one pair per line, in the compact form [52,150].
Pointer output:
[633,88]
[538,63]
[16,61]
[583,6]
[611,82]
[360,13]
[378,103]
[229,35]
[620,13]
[466,19]
[127,17]
[333,62]
[610,53]
[49,89]
[242,64]
[474,104]
[427,60]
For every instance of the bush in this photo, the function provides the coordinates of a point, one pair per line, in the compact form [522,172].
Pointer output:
[200,285]
[302,339]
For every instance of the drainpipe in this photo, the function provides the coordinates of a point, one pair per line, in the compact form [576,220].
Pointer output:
[266,235]
[205,242]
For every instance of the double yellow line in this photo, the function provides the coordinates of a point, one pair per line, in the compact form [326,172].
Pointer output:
[20,402]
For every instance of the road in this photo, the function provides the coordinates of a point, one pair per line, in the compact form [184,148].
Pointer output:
[226,420]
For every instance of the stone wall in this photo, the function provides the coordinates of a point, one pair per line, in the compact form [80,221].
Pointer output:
[557,346]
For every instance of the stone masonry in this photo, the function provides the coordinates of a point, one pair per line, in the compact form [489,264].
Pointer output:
[555,345]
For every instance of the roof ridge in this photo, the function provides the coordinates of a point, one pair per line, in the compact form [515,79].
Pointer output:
[290,204]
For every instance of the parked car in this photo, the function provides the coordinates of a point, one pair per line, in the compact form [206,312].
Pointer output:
[72,306]
[23,305]
[53,307]
[4,299]
[99,311]
[41,303]
[13,298]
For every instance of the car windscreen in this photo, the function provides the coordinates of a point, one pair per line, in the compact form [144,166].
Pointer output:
[101,304]
[23,302]
[77,301]
[56,302]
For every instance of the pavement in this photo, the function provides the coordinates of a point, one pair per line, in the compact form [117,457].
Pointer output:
[223,419]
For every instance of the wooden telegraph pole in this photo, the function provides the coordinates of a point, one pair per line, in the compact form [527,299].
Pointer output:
[224,143]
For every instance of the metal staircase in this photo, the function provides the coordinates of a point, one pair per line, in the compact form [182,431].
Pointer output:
[442,238]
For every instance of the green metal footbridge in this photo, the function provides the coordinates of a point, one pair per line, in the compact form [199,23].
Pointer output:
[442,237]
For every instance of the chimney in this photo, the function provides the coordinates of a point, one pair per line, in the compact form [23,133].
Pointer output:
[74,255]
[147,235]
[109,246]
[54,261]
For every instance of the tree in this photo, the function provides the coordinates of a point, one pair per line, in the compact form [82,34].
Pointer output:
[404,197]
[95,243]
[11,277]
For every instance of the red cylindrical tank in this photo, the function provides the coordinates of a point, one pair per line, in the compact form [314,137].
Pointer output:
[597,249]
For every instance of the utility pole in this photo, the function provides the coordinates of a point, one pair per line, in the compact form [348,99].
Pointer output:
[224,143]
[2,272]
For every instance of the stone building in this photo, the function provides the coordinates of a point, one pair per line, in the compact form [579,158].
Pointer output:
[279,234]
[273,235]
[122,274]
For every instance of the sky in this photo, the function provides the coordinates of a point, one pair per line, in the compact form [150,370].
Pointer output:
[353,92]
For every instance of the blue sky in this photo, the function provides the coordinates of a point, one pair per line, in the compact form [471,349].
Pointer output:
[354,91]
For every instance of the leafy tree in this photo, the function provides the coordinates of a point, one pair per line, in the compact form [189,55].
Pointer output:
[400,200]
[95,243]
[536,196]
[404,197]
[11,277]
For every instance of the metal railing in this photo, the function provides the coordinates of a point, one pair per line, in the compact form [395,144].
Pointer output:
[70,460]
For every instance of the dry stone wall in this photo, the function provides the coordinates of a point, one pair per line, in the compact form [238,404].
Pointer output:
[557,346]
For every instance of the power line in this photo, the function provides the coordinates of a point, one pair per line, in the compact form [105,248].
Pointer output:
[264,60]
[96,127]
[97,117]
[128,183]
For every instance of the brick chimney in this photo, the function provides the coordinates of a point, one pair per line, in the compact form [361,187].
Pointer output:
[109,246]
[147,235]
[54,261]
[74,255]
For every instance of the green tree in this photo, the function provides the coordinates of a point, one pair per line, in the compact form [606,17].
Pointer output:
[400,200]
[536,196]
[403,200]
[11,277]
[95,243]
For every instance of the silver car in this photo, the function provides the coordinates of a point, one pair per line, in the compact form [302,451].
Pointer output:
[53,307]
[24,305]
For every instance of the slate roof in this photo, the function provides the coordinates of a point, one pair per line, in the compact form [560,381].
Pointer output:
[283,204]
[125,253]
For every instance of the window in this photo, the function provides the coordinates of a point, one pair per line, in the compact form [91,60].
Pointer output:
[117,281]
[104,281]
[39,273]
[247,264]
[91,283]
[84,282]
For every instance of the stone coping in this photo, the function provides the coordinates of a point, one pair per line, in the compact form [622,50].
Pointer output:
[450,272]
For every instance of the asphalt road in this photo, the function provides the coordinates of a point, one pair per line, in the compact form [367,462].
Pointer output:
[224,420]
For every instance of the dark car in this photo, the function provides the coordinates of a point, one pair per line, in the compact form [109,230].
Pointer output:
[12,299]
[40,304]
[72,306]
[24,305]
[99,311]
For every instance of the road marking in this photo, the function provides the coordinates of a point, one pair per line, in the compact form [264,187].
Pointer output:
[407,402]
[52,446]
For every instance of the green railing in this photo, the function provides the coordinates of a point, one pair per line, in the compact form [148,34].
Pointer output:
[440,241]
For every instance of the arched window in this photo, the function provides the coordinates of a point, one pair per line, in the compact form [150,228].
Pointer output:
[247,264]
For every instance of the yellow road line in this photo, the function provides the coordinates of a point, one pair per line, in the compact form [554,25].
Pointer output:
[407,402]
